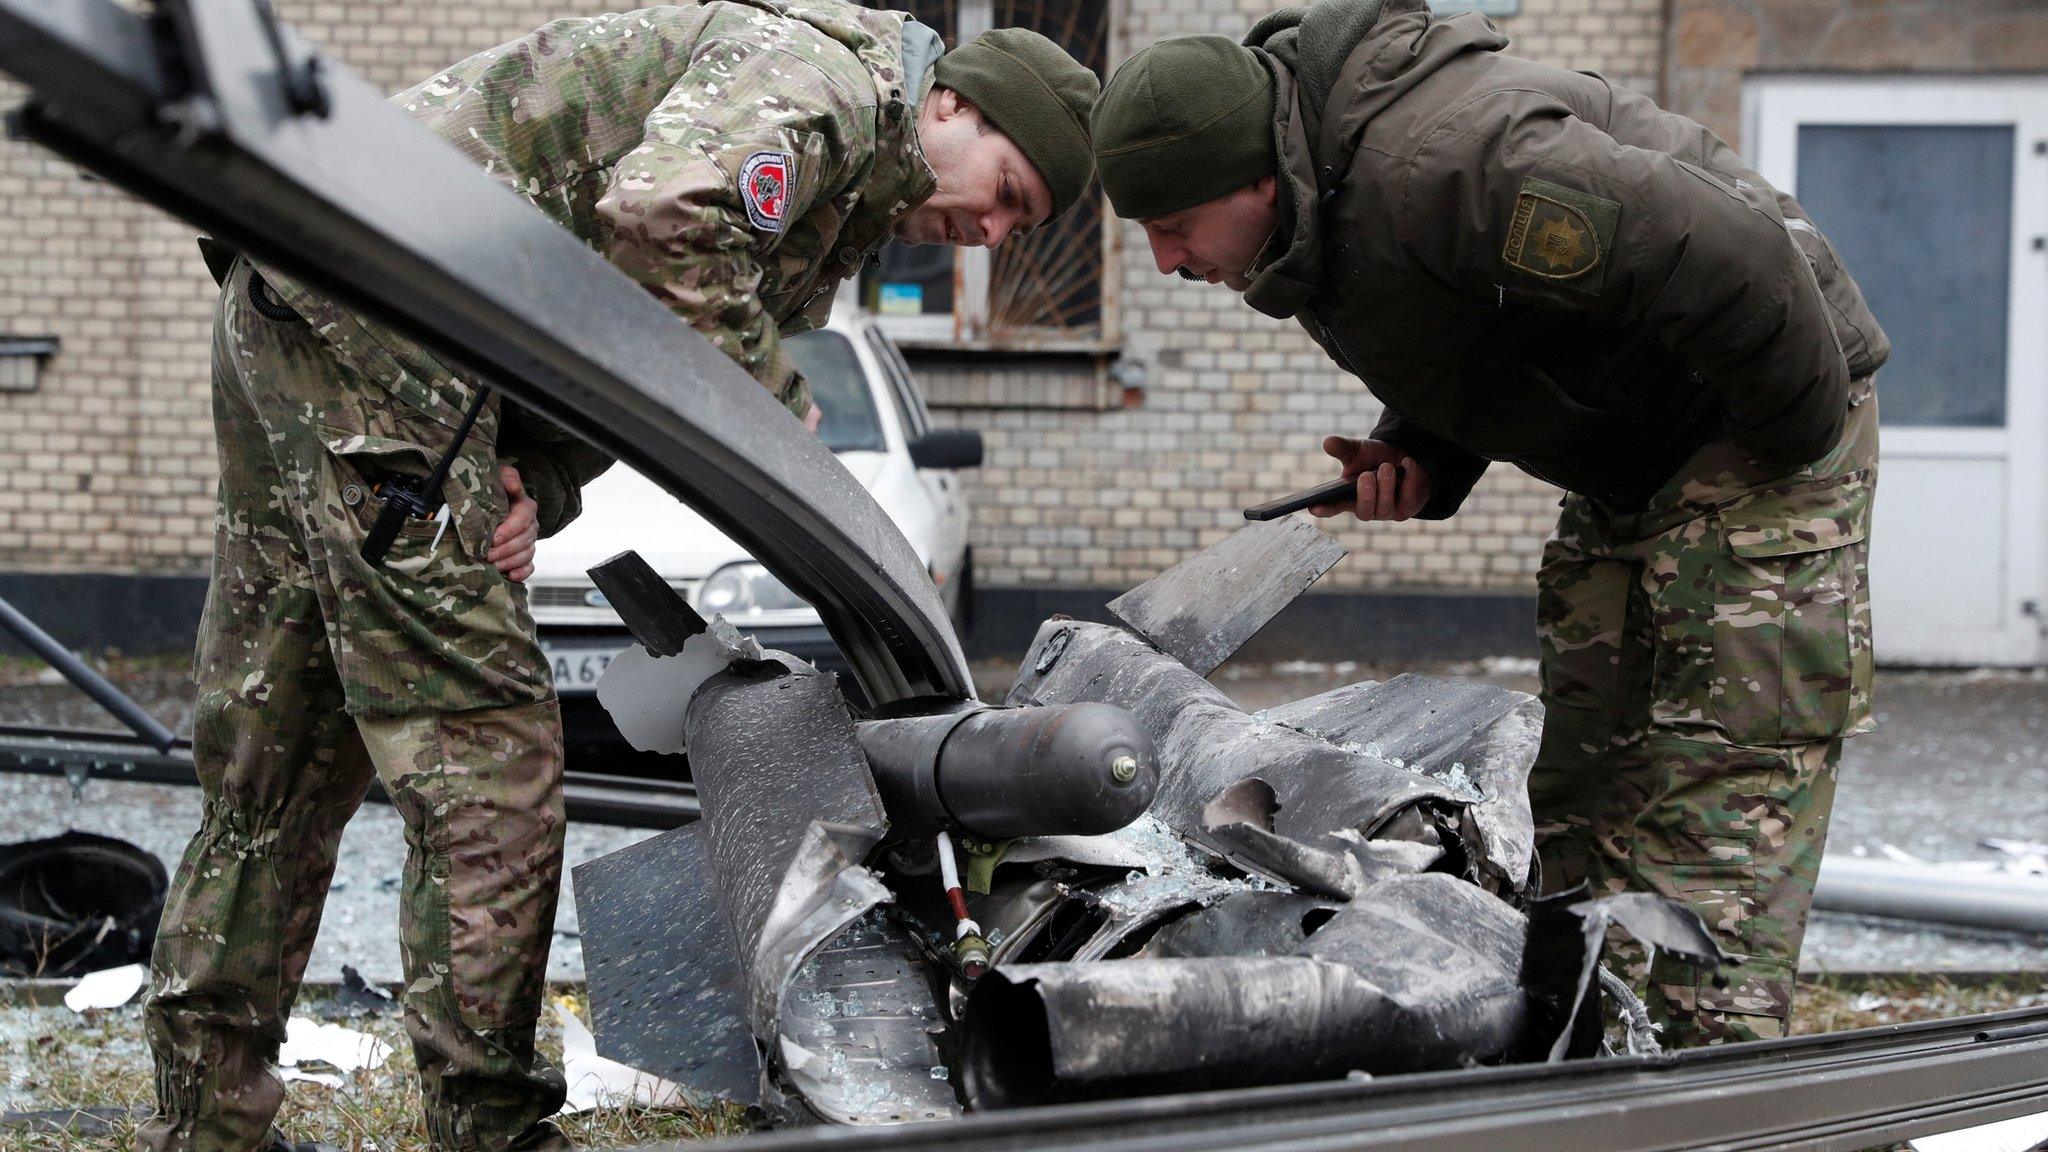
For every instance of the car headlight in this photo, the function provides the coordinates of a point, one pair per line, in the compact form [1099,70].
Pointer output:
[746,589]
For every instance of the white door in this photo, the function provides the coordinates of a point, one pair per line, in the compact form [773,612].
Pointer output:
[1935,193]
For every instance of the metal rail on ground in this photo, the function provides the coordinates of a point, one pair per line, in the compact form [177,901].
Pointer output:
[1840,1092]
[208,109]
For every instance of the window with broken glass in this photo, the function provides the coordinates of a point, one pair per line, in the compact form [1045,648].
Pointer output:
[1049,290]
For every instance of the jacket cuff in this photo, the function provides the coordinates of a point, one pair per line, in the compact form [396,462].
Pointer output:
[556,498]
[1802,435]
[1452,470]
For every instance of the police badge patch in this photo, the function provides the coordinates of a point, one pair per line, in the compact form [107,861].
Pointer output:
[1561,234]
[764,188]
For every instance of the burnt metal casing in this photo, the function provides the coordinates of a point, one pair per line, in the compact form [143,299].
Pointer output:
[1072,770]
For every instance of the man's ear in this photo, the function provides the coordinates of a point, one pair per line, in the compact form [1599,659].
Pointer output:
[946,103]
[1269,189]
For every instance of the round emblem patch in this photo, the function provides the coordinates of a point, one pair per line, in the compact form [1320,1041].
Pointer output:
[764,187]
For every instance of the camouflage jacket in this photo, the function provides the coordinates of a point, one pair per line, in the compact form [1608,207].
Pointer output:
[738,158]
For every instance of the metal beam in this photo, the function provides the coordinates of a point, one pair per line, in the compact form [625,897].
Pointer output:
[1833,1093]
[83,755]
[366,205]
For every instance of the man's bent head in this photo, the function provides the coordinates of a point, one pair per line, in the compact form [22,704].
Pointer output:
[1005,131]
[1184,143]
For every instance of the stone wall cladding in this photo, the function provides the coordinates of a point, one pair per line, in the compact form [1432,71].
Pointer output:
[113,459]
[1715,43]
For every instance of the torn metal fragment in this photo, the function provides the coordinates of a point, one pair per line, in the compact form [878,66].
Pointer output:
[667,994]
[860,1029]
[1243,924]
[1420,973]
[790,812]
[1207,743]
[647,694]
[1204,608]
[1476,737]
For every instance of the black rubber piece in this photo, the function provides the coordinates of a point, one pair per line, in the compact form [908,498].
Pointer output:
[77,903]
[270,306]
[657,615]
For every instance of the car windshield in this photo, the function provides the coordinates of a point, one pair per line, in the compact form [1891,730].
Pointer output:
[840,389]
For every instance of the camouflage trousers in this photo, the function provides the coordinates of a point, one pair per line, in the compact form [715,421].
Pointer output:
[1702,661]
[317,674]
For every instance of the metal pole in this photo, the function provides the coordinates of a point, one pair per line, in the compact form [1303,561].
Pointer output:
[1933,893]
[69,666]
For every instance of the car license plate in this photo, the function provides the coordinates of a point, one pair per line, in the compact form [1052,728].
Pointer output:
[576,670]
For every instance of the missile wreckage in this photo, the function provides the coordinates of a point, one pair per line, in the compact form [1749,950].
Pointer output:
[1336,885]
[1116,883]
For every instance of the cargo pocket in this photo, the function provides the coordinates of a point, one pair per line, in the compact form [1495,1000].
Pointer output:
[435,627]
[1791,644]
[364,461]
[361,464]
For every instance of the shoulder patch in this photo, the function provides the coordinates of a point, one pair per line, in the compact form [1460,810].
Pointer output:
[1562,235]
[764,187]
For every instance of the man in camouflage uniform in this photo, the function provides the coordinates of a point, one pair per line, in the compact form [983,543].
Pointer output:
[738,159]
[1533,265]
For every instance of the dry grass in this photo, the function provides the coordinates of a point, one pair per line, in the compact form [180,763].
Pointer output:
[53,1058]
[17,670]
[1838,1004]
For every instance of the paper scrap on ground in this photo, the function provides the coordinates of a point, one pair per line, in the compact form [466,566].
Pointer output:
[109,988]
[343,1049]
[594,1080]
[325,1079]
[2022,1134]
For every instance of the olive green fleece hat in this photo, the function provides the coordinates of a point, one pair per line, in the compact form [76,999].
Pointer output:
[1034,93]
[1183,122]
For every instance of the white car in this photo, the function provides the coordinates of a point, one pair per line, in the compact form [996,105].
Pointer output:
[874,419]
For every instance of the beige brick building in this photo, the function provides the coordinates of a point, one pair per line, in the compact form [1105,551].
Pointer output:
[1110,455]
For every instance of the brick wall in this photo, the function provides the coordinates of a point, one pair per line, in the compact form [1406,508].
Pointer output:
[112,460]
[74,492]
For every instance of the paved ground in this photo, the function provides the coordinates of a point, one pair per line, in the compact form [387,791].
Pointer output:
[1959,758]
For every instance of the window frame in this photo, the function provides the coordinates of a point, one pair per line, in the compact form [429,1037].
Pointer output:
[966,327]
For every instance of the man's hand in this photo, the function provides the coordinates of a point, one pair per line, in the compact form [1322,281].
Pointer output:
[512,546]
[813,418]
[1392,485]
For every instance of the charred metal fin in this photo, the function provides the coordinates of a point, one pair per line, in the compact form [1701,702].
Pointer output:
[657,615]
[1665,925]
[666,992]
[1205,607]
[1567,934]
